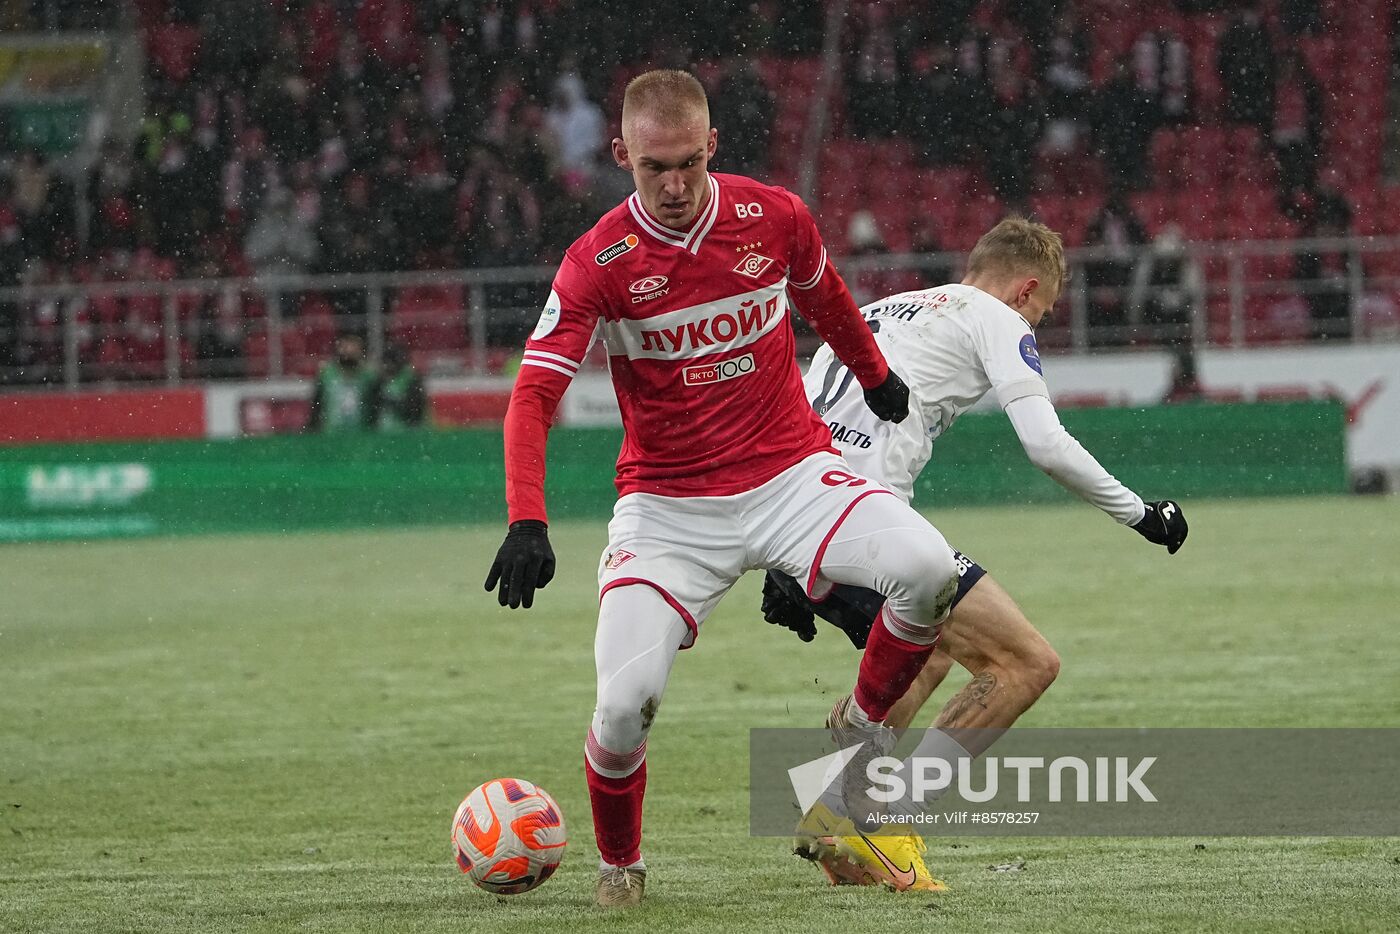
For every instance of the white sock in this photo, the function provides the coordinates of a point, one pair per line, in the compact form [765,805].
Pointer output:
[604,866]
[856,715]
[935,744]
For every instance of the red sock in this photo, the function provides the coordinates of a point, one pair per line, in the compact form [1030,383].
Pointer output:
[887,669]
[617,814]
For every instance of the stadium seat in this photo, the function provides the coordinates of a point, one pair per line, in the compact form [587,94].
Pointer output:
[1278,318]
[429,318]
[316,322]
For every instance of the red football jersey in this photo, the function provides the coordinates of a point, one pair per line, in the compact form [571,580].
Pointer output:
[699,343]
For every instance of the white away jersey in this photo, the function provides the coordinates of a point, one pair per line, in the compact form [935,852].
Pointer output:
[951,345]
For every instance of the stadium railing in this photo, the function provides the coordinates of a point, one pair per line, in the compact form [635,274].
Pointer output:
[474,322]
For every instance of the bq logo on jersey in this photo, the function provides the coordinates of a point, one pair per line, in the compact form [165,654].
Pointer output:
[611,253]
[719,372]
[753,265]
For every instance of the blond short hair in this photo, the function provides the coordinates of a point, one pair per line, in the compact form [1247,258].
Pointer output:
[1017,245]
[672,98]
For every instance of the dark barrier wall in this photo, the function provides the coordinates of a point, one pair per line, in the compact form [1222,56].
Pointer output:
[287,483]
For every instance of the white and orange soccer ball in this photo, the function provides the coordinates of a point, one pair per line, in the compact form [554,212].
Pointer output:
[508,836]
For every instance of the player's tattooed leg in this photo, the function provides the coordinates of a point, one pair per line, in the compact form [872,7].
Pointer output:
[968,705]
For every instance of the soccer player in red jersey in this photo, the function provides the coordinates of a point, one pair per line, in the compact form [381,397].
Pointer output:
[724,467]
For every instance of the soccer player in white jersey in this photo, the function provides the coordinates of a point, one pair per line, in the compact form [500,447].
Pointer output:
[724,467]
[954,344]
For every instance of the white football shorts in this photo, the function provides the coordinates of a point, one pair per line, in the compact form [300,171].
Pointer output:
[692,550]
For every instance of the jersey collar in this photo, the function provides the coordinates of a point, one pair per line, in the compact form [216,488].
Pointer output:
[688,240]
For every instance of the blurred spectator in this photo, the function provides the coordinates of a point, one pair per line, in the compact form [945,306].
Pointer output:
[1065,74]
[244,34]
[576,129]
[172,191]
[356,235]
[1118,232]
[1167,288]
[873,73]
[944,107]
[1124,120]
[281,105]
[498,216]
[1184,386]
[863,236]
[397,398]
[744,109]
[1297,122]
[341,399]
[1326,273]
[219,329]
[280,242]
[1162,68]
[114,206]
[11,266]
[1245,61]
[247,178]
[925,239]
[44,206]
[388,31]
[1013,125]
[1298,17]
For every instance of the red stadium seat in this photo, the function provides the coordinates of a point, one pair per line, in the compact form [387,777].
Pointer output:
[429,317]
[1277,319]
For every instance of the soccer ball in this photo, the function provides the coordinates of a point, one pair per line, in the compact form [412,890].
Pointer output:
[508,836]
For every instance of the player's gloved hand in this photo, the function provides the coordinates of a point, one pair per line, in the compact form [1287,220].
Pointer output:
[781,610]
[1163,524]
[889,400]
[525,561]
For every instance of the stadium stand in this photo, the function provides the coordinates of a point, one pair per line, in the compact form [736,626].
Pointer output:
[352,136]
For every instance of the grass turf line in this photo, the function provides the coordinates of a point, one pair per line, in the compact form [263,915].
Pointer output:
[271,733]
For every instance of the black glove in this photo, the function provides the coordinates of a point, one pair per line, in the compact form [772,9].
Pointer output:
[889,400]
[524,562]
[1163,524]
[782,610]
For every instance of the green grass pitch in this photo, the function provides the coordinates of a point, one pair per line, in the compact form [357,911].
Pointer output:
[271,733]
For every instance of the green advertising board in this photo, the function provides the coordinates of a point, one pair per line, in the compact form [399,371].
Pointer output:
[81,491]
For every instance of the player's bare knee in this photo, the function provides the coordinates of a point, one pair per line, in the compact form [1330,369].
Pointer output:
[1028,672]
[1042,668]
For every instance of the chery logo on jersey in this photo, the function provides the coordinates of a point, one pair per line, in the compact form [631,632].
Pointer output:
[1031,353]
[644,290]
[753,265]
[719,372]
[649,284]
[611,253]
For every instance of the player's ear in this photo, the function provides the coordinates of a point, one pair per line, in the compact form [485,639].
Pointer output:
[713,145]
[1027,290]
[619,151]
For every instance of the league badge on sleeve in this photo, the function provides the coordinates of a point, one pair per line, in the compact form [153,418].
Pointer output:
[1031,353]
[548,318]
